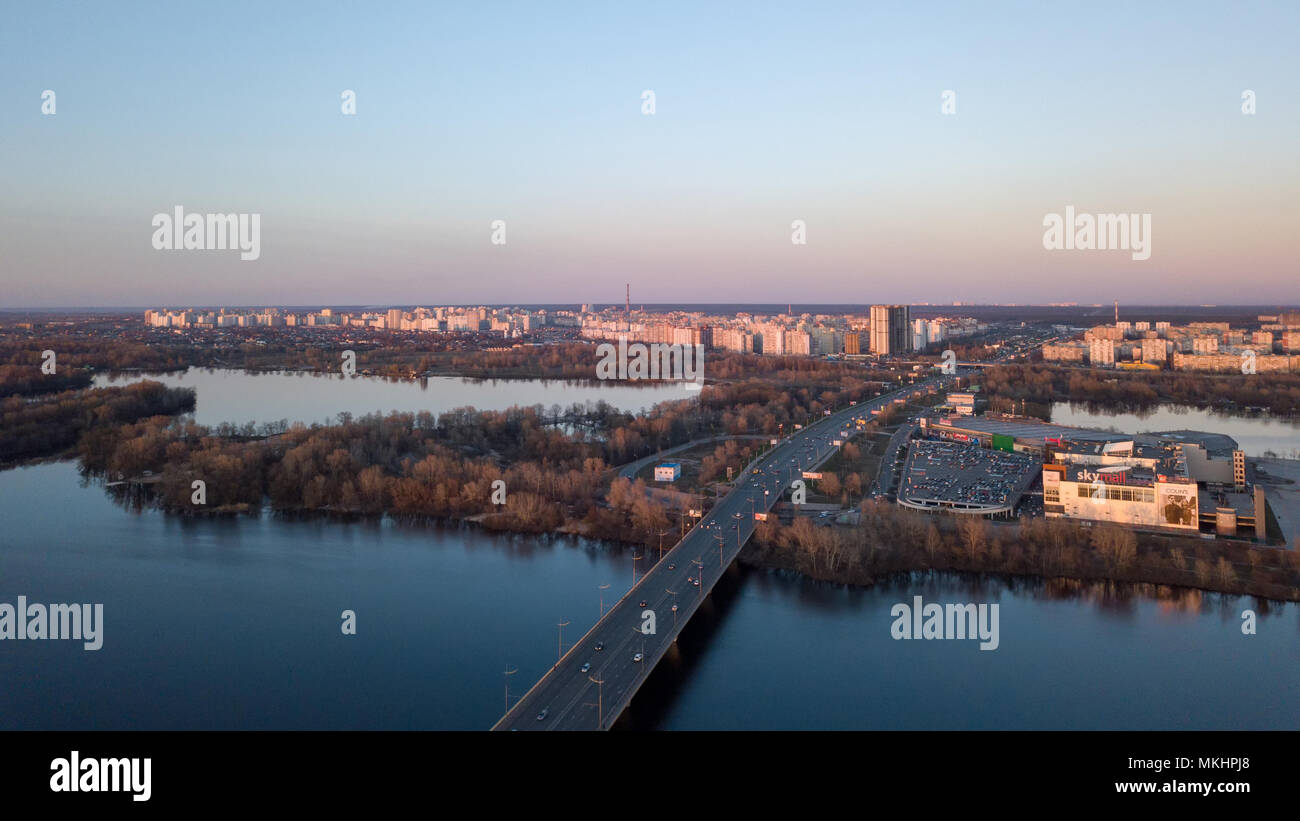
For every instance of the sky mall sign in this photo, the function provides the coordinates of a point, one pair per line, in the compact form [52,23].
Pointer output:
[1114,477]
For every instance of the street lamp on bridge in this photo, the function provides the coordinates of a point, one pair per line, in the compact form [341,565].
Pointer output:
[661,542]
[600,701]
[559,642]
[509,672]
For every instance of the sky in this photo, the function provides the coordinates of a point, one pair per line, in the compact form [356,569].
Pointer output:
[532,114]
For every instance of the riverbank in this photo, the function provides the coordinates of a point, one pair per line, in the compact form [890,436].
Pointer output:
[1032,389]
[892,541]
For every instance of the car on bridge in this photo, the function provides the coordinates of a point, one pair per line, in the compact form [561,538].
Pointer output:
[600,645]
[586,667]
[637,658]
[542,715]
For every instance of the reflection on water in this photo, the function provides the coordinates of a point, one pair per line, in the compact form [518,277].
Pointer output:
[234,623]
[1254,434]
[297,396]
[783,652]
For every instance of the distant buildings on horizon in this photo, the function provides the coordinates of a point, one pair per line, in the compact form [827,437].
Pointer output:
[1197,346]
[887,330]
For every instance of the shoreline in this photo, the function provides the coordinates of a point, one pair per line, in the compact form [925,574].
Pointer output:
[1148,568]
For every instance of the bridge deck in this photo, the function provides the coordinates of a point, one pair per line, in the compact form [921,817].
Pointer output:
[569,698]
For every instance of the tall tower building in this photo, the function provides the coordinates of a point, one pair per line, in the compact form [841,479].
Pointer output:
[890,329]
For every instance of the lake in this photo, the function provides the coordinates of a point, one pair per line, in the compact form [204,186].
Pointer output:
[239,397]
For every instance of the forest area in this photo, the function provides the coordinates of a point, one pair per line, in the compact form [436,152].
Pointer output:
[555,465]
[52,424]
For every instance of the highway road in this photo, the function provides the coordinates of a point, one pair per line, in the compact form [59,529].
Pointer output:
[631,469]
[887,474]
[569,698]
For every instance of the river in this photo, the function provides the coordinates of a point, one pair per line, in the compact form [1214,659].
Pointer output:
[235,623]
[1255,435]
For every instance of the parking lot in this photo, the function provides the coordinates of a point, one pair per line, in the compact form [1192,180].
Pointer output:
[951,474]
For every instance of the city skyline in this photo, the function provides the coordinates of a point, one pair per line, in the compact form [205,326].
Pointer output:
[762,118]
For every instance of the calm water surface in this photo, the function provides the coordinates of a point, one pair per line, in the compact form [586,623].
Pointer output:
[1254,434]
[234,623]
[239,397]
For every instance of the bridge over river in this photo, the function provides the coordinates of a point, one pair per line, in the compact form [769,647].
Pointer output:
[567,698]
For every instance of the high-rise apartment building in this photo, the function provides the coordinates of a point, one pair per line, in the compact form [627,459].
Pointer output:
[891,329]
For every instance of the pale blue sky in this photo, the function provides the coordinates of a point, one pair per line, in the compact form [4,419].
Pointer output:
[530,113]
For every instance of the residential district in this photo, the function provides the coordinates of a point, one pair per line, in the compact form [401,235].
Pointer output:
[953,457]
[888,329]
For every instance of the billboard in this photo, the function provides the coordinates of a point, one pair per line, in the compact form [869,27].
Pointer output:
[1176,504]
[1003,442]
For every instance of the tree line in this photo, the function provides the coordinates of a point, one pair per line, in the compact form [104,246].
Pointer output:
[1041,385]
[50,425]
[890,540]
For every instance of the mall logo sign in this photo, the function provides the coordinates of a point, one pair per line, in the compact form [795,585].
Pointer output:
[657,361]
[1102,232]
